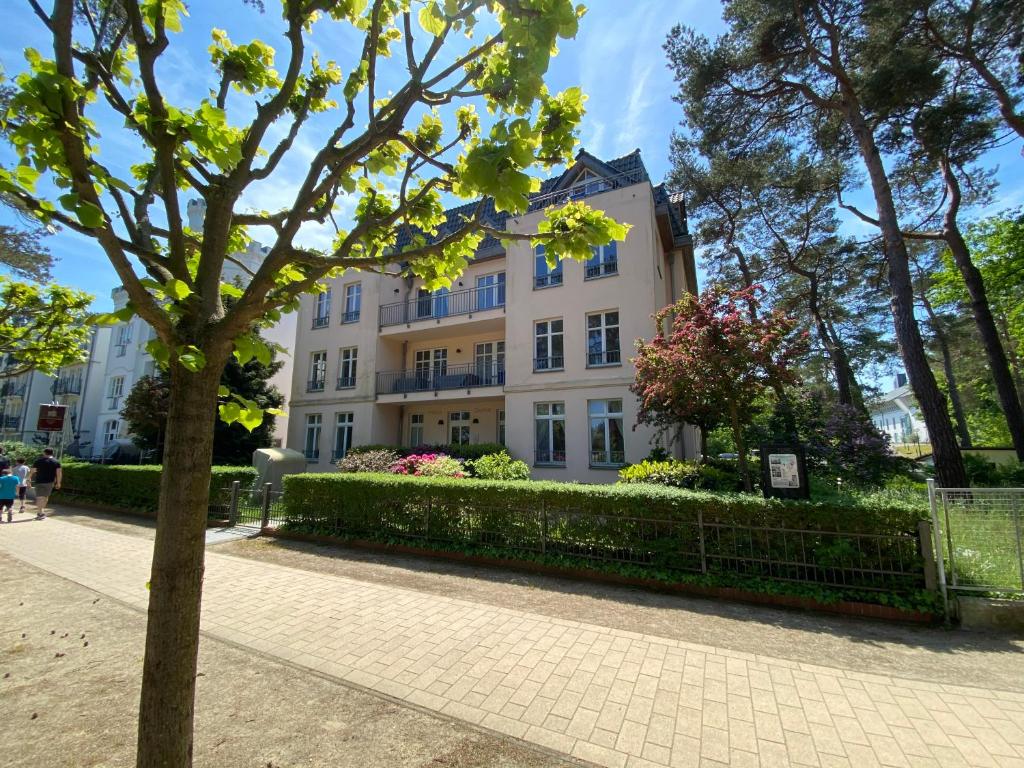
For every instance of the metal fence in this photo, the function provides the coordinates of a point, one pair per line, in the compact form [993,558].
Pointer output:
[895,562]
[260,507]
[978,538]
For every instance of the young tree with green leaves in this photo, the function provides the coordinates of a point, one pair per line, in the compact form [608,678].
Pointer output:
[389,151]
[42,329]
[826,71]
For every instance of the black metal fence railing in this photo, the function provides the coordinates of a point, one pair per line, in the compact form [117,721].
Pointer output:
[466,376]
[346,382]
[555,363]
[586,189]
[604,357]
[260,507]
[321,322]
[316,385]
[71,386]
[352,316]
[435,307]
[602,269]
[660,540]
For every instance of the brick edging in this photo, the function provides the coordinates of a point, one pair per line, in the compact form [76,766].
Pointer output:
[842,608]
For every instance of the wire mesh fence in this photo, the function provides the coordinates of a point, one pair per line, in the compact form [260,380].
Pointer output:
[979,538]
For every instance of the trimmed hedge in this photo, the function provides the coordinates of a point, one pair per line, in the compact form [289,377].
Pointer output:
[135,486]
[656,528]
[455,450]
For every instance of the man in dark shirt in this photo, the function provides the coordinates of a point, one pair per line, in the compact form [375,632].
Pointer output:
[46,476]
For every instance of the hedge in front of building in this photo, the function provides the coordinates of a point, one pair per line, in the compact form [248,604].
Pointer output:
[135,487]
[642,525]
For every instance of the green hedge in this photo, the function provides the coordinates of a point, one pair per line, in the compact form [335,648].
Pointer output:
[135,486]
[640,525]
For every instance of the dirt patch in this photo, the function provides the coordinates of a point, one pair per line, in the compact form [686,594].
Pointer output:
[71,666]
[933,654]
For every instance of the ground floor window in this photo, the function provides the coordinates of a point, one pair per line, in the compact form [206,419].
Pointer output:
[416,423]
[314,422]
[607,443]
[458,426]
[501,427]
[343,435]
[549,425]
[110,431]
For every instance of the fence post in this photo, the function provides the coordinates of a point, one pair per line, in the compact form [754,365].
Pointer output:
[940,559]
[265,518]
[233,509]
[700,536]
[926,545]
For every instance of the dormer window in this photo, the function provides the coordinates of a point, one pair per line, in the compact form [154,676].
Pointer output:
[588,183]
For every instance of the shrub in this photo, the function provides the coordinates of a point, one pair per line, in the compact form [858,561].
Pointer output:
[428,465]
[136,486]
[370,459]
[455,450]
[682,474]
[500,466]
[13,449]
[982,472]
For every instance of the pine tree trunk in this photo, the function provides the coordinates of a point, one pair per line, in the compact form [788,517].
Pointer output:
[947,368]
[998,364]
[949,465]
[172,634]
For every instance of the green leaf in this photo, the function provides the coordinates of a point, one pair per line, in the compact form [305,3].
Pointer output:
[432,19]
[250,418]
[275,411]
[122,315]
[223,391]
[159,352]
[27,176]
[88,214]
[245,350]
[177,289]
[191,358]
[229,412]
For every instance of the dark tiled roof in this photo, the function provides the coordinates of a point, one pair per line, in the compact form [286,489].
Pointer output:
[624,171]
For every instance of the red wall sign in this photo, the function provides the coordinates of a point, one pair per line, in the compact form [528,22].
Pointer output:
[51,418]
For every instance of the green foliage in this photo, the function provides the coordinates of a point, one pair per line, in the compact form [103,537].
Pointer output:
[42,328]
[982,472]
[499,466]
[465,452]
[440,466]
[680,474]
[135,487]
[368,459]
[13,449]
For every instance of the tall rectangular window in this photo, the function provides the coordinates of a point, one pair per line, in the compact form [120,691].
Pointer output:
[430,365]
[322,317]
[314,421]
[490,291]
[124,337]
[317,372]
[490,363]
[115,392]
[432,303]
[342,435]
[353,302]
[604,262]
[545,276]
[603,339]
[607,444]
[416,422]
[110,429]
[549,350]
[549,432]
[347,359]
[458,426]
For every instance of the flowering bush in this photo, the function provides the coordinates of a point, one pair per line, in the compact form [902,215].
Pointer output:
[376,460]
[428,465]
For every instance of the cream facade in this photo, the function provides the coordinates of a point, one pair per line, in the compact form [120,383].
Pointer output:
[514,352]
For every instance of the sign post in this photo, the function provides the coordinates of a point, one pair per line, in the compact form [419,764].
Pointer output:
[51,419]
[784,471]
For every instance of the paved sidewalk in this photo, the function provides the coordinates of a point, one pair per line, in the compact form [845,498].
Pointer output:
[608,696]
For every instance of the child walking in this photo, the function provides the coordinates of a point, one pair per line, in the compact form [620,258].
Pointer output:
[8,490]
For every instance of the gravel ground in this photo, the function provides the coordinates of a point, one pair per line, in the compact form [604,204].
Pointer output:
[924,653]
[71,666]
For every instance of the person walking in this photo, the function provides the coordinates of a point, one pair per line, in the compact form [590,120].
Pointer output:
[21,471]
[46,475]
[8,490]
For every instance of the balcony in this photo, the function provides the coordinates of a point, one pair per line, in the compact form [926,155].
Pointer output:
[316,385]
[469,376]
[70,386]
[437,307]
[601,269]
[321,322]
[346,382]
[604,357]
[542,364]
[352,316]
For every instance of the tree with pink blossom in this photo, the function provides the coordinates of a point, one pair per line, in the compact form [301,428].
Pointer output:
[709,362]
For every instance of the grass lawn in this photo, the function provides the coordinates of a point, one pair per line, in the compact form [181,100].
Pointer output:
[985,547]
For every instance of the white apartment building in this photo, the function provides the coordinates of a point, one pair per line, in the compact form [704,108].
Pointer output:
[896,414]
[537,359]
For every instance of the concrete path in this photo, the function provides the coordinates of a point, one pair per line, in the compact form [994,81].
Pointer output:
[608,696]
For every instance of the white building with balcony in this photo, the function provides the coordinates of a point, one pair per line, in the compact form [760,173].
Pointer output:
[514,352]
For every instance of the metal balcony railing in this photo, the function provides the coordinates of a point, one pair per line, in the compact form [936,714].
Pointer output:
[548,280]
[12,390]
[607,458]
[321,322]
[603,269]
[434,307]
[586,189]
[351,316]
[467,376]
[554,363]
[546,456]
[346,382]
[316,385]
[604,357]
[69,386]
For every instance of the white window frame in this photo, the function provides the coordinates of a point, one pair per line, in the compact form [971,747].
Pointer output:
[317,371]
[344,428]
[322,309]
[543,275]
[115,392]
[432,303]
[601,414]
[314,427]
[417,429]
[348,364]
[462,421]
[551,362]
[490,291]
[489,361]
[353,303]
[110,432]
[604,262]
[606,353]
[549,413]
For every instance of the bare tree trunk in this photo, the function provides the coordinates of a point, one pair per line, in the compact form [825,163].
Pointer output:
[172,635]
[846,384]
[947,368]
[949,465]
[998,365]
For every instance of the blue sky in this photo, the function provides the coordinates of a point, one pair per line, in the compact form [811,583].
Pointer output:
[617,58]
